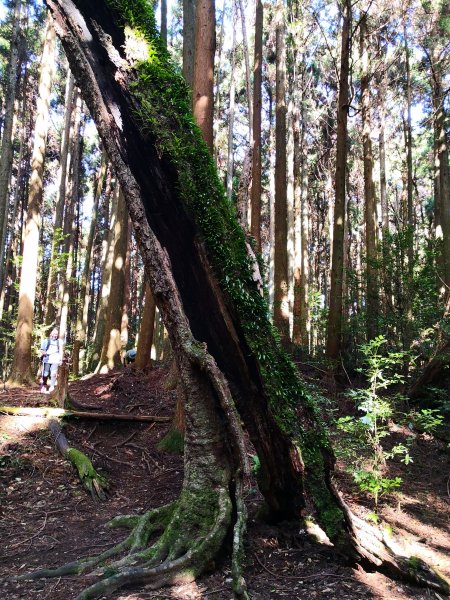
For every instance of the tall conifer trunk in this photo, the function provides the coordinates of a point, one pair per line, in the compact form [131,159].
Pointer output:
[281,284]
[334,331]
[256,188]
[203,82]
[370,207]
[6,151]
[22,365]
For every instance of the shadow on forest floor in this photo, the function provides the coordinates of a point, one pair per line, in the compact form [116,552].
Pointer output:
[46,518]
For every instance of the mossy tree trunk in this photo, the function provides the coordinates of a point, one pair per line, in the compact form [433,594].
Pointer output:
[201,276]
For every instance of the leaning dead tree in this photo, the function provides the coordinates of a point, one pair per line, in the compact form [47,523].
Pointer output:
[229,358]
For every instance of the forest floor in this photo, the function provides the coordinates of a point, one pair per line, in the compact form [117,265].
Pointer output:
[47,519]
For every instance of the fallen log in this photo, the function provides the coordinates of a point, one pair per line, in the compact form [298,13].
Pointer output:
[49,411]
[92,481]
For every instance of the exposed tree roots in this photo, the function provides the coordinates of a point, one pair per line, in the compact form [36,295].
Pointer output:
[193,532]
[376,549]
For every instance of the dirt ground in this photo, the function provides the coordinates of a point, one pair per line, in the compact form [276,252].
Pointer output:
[47,519]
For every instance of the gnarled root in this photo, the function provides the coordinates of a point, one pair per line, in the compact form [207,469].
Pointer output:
[194,527]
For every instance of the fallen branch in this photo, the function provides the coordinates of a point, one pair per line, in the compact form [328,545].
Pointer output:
[94,483]
[48,412]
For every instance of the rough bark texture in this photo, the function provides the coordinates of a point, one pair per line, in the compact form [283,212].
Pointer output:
[203,82]
[280,302]
[201,277]
[337,266]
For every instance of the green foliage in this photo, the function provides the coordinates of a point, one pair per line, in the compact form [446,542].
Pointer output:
[426,420]
[367,431]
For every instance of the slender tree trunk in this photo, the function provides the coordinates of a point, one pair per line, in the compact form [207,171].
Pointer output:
[69,228]
[189,41]
[256,189]
[112,345]
[84,295]
[281,283]
[370,212]
[231,107]
[218,87]
[301,271]
[51,309]
[22,365]
[248,85]
[203,86]
[6,151]
[164,22]
[7,282]
[334,331]
[106,271]
[145,341]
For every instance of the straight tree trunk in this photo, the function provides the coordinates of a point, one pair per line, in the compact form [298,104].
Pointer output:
[112,345]
[51,309]
[21,372]
[334,331]
[231,107]
[203,86]
[84,295]
[189,41]
[16,53]
[106,271]
[370,207]
[256,189]
[248,85]
[435,47]
[164,22]
[281,283]
[69,229]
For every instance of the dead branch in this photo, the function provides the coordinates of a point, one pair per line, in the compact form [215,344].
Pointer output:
[48,412]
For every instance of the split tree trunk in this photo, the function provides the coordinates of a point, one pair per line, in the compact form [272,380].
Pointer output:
[201,277]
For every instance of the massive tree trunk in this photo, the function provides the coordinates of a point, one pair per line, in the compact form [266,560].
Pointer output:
[196,258]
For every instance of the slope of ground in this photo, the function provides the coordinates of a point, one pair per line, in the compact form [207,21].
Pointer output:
[46,518]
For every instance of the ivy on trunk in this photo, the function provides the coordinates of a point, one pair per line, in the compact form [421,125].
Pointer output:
[200,270]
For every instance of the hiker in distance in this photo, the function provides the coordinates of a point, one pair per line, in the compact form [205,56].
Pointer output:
[51,357]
